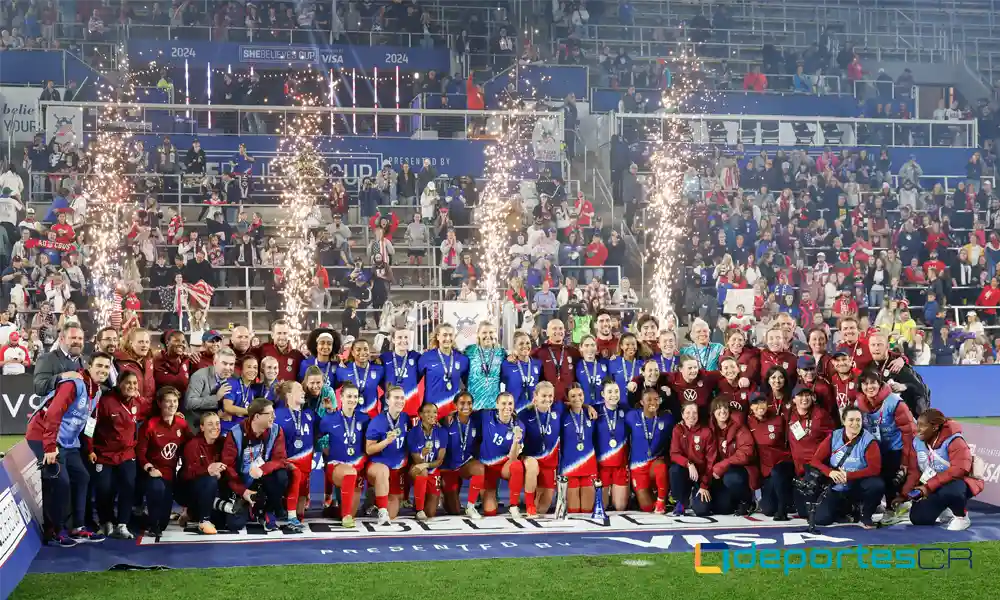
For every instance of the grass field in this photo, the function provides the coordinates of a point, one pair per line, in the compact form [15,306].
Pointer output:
[597,577]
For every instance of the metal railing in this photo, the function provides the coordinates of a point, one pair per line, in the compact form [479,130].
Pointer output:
[167,119]
[303,35]
[801,131]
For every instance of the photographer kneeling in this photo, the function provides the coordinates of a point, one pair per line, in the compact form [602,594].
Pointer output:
[942,464]
[850,458]
[256,469]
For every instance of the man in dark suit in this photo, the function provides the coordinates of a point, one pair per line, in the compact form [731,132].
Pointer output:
[64,362]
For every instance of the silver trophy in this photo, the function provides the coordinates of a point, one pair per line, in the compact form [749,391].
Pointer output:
[599,502]
[562,498]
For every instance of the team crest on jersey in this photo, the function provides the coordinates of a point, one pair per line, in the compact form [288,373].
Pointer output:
[510,435]
[179,433]
[133,410]
[859,352]
[850,385]
[588,423]
[411,362]
[697,439]
[184,368]
[437,444]
[289,363]
[661,426]
[784,365]
[358,426]
[374,376]
[743,368]
[770,427]
[724,443]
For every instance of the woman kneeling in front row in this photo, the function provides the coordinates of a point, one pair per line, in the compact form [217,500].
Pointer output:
[942,464]
[850,457]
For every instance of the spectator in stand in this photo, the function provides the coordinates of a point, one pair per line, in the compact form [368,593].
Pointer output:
[755,80]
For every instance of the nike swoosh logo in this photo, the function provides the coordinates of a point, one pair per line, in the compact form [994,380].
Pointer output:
[159,435]
[335,427]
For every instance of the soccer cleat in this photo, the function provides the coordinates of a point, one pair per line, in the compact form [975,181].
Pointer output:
[84,535]
[347,522]
[207,528]
[678,510]
[268,522]
[514,512]
[122,532]
[383,517]
[294,525]
[472,513]
[372,511]
[108,528]
[661,507]
[946,516]
[959,523]
[421,515]
[327,501]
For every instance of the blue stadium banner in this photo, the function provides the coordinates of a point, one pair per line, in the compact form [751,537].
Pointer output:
[271,54]
[20,516]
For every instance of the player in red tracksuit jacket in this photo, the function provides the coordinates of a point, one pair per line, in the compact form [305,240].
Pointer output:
[776,354]
[112,451]
[775,460]
[558,360]
[157,454]
[844,382]
[729,385]
[748,358]
[692,455]
[809,377]
[201,472]
[854,344]
[734,473]
[691,384]
[173,367]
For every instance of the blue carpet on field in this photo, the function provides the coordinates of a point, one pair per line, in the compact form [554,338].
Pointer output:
[457,538]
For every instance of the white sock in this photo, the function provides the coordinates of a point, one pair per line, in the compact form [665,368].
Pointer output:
[292,514]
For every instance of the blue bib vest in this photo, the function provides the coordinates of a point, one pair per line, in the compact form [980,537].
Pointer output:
[74,420]
[936,459]
[855,461]
[247,456]
[882,424]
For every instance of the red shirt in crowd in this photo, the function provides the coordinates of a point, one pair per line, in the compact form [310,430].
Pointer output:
[769,434]
[44,424]
[288,361]
[734,448]
[172,370]
[558,367]
[815,427]
[821,460]
[198,454]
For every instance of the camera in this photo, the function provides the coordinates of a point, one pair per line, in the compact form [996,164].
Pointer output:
[811,484]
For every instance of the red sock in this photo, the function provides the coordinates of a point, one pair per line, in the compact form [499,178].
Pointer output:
[347,488]
[292,493]
[419,492]
[490,513]
[516,482]
[660,475]
[646,508]
[476,483]
[328,482]
[529,501]
[382,501]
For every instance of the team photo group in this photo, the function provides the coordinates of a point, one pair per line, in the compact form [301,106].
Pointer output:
[227,435]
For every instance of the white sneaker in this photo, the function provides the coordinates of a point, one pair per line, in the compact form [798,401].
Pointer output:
[472,513]
[515,512]
[383,517]
[946,516]
[108,528]
[421,515]
[123,533]
[959,523]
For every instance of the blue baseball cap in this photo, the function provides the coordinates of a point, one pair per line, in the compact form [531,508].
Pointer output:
[211,336]
[807,363]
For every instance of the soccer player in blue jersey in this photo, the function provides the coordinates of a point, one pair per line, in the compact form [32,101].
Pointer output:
[628,364]
[578,460]
[239,393]
[400,368]
[591,371]
[611,447]
[541,448]
[649,435]
[499,452]
[520,374]
[386,448]
[324,345]
[444,370]
[364,374]
[298,423]
[428,445]
[345,431]
[464,437]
